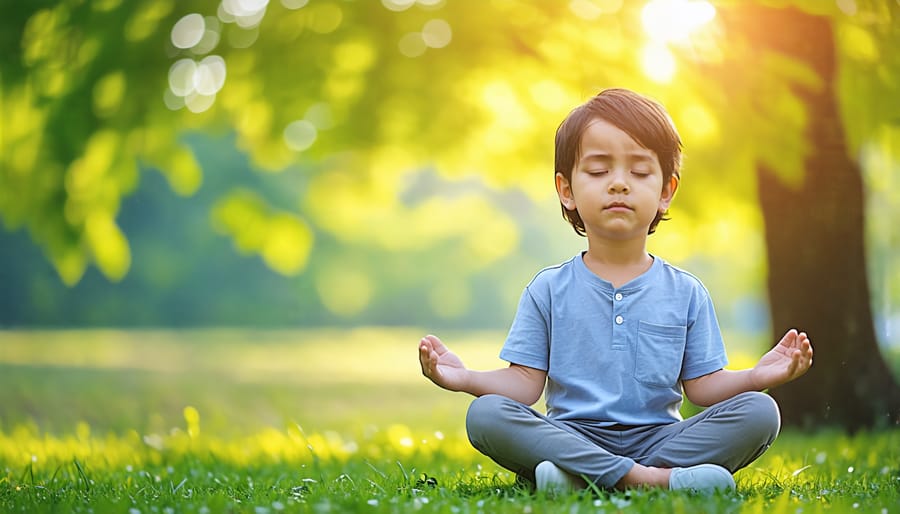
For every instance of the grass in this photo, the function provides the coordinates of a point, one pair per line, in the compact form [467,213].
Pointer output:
[322,421]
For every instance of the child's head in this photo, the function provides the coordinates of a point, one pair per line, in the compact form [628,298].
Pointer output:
[645,120]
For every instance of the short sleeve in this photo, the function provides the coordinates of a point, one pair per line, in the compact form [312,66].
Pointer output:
[528,341]
[704,349]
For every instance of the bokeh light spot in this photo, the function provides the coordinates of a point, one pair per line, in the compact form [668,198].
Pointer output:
[437,33]
[300,135]
[108,93]
[294,4]
[345,291]
[242,38]
[181,76]
[326,18]
[173,101]
[398,5]
[188,31]
[207,43]
[354,56]
[412,44]
[210,75]
[319,114]
[288,244]
[245,13]
[198,103]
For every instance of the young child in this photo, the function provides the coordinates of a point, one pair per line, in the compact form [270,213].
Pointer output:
[616,335]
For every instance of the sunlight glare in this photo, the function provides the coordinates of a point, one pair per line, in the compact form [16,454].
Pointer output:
[674,20]
[593,9]
[658,62]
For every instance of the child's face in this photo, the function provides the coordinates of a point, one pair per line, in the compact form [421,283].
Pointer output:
[616,185]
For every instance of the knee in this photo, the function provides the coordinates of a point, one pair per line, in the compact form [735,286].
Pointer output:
[761,415]
[482,416]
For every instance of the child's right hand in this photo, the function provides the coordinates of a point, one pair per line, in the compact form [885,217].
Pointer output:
[441,365]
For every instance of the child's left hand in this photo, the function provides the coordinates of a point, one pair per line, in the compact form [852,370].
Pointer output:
[789,359]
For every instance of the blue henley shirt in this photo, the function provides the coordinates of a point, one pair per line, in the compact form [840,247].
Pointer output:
[615,355]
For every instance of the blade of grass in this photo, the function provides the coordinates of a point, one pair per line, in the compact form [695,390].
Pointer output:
[84,478]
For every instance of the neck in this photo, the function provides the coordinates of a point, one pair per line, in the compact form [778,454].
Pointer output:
[618,253]
[618,262]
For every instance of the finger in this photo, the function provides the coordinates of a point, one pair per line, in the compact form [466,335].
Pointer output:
[787,340]
[795,363]
[426,357]
[435,343]
[793,337]
[807,354]
[806,348]
[424,360]
[434,372]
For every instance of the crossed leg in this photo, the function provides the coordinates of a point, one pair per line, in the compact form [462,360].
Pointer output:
[730,434]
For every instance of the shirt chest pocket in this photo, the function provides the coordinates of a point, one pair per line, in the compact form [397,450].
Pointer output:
[659,354]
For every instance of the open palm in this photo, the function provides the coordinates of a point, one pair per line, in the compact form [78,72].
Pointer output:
[441,365]
[789,359]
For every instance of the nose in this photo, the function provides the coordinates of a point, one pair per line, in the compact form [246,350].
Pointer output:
[618,184]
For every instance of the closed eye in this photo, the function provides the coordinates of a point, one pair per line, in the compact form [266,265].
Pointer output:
[597,171]
[640,172]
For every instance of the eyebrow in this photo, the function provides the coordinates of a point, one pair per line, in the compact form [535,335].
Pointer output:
[604,156]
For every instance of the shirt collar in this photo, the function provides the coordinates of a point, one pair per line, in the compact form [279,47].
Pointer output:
[636,283]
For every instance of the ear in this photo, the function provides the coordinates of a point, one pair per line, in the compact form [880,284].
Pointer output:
[564,190]
[668,193]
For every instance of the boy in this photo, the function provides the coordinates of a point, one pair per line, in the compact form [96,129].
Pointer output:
[617,334]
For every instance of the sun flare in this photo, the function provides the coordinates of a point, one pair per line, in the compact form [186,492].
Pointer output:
[674,21]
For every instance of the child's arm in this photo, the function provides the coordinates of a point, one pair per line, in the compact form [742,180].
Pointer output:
[445,369]
[789,359]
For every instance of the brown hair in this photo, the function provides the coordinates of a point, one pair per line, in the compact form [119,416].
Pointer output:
[645,120]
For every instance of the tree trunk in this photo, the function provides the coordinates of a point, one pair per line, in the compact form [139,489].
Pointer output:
[816,251]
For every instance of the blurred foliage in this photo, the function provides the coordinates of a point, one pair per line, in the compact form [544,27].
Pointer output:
[401,150]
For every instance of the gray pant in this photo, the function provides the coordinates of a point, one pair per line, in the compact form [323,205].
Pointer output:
[732,434]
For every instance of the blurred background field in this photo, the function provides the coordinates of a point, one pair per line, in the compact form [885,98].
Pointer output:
[239,381]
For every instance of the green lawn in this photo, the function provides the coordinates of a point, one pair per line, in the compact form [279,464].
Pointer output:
[321,421]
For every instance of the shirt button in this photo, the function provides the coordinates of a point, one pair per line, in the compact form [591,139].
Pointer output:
[618,296]
[619,320]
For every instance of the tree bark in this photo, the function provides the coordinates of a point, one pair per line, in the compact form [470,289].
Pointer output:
[814,235]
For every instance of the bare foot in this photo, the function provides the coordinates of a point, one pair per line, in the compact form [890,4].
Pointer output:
[644,476]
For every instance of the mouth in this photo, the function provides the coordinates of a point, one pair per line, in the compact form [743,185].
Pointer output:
[617,206]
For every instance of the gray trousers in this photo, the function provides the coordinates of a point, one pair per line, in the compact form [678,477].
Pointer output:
[732,434]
